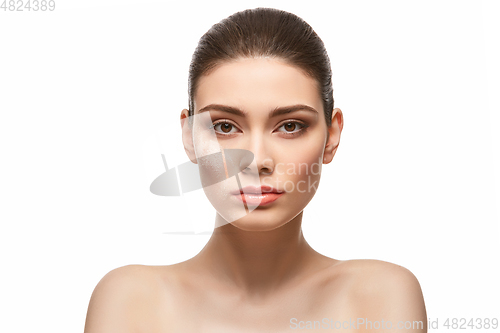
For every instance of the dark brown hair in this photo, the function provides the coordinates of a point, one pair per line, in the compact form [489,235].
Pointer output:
[264,32]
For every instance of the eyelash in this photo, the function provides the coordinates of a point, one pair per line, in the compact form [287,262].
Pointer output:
[287,134]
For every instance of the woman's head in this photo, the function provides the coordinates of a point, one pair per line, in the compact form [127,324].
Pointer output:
[264,32]
[269,96]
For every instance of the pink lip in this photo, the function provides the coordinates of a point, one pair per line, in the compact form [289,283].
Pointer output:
[258,196]
[257,190]
[258,200]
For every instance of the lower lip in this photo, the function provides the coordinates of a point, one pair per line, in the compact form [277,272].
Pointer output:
[258,199]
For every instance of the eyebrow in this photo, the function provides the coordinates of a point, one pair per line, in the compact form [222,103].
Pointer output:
[276,112]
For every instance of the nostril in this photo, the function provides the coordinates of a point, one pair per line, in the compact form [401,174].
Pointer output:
[265,171]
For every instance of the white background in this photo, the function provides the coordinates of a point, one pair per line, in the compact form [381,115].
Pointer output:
[413,181]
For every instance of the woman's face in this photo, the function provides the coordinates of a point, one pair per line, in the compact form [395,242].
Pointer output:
[273,110]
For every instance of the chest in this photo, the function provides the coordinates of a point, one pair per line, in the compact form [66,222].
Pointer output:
[285,312]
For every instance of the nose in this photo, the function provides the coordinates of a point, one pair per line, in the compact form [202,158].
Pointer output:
[262,151]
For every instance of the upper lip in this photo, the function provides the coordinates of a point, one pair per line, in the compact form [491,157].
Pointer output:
[257,190]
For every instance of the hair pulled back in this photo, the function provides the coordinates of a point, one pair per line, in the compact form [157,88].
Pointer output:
[264,32]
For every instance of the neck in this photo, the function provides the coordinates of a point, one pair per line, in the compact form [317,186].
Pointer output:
[257,261]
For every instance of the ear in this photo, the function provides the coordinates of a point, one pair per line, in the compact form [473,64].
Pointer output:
[333,138]
[187,136]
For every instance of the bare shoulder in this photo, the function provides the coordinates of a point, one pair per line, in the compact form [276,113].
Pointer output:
[371,269]
[122,297]
[376,276]
[379,290]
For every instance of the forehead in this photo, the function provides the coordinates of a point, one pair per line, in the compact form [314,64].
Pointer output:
[257,84]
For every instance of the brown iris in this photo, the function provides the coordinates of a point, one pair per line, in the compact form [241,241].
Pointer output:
[226,128]
[290,126]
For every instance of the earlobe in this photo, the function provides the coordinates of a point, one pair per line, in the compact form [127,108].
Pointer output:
[187,136]
[329,153]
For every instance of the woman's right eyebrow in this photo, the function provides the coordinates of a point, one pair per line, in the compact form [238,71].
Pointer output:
[223,108]
[276,112]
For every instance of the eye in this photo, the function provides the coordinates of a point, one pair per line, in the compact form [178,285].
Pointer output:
[224,127]
[292,128]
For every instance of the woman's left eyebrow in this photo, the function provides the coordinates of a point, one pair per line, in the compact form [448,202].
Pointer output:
[276,112]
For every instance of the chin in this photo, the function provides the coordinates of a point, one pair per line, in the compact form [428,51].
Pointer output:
[262,220]
[256,225]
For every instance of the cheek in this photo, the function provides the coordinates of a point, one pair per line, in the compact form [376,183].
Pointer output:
[305,156]
[300,171]
[207,150]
